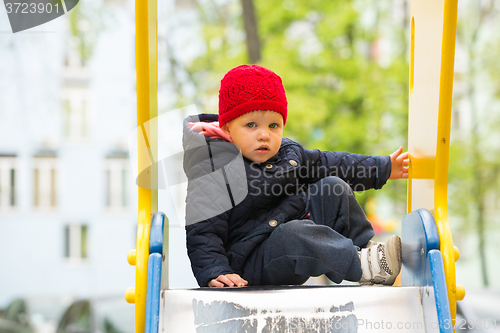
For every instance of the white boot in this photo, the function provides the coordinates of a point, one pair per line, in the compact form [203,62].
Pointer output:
[381,262]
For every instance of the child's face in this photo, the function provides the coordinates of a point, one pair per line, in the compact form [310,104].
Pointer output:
[258,134]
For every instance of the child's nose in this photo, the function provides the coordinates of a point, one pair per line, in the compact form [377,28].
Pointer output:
[264,135]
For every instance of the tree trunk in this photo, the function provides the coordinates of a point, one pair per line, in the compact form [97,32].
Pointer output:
[482,243]
[480,181]
[252,36]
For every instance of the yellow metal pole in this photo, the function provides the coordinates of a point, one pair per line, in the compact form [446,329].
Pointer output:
[147,109]
[443,149]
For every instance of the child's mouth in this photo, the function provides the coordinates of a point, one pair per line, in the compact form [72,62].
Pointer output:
[263,149]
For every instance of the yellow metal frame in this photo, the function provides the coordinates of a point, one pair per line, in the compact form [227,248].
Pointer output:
[436,168]
[146,41]
[442,153]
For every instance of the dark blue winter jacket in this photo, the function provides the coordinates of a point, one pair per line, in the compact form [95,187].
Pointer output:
[234,204]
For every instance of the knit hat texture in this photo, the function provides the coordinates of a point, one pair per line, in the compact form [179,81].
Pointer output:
[248,88]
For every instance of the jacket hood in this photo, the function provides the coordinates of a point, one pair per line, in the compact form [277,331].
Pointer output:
[198,148]
[215,170]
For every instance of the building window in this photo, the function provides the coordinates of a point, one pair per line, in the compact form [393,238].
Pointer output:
[45,182]
[75,242]
[75,93]
[117,169]
[7,182]
[75,107]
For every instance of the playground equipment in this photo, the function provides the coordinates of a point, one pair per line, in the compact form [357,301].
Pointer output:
[426,301]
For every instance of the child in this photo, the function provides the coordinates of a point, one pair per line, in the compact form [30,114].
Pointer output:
[263,210]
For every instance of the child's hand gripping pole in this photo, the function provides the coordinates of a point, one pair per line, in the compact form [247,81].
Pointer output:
[399,164]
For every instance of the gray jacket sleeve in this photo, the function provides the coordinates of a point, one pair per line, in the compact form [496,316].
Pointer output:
[206,238]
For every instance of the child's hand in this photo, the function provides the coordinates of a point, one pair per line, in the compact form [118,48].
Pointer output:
[229,280]
[399,164]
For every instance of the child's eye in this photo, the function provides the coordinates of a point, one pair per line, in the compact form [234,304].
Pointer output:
[251,125]
[273,125]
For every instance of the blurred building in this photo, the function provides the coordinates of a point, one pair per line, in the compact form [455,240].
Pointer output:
[67,197]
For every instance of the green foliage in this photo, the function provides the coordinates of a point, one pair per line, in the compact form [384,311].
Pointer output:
[461,182]
[474,161]
[86,21]
[492,50]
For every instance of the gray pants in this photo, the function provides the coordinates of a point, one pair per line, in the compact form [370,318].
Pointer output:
[325,243]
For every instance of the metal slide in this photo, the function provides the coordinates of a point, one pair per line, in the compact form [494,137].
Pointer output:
[426,301]
[420,305]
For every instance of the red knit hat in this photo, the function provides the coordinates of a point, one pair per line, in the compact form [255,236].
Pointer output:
[248,88]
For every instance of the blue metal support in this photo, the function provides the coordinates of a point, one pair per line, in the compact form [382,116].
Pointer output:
[423,262]
[154,273]
[440,291]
